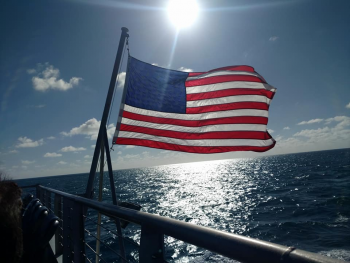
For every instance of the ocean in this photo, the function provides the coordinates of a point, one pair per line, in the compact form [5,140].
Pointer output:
[300,200]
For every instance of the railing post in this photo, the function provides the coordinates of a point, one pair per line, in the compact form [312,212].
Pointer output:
[48,199]
[67,227]
[42,194]
[59,233]
[151,245]
[78,233]
[38,190]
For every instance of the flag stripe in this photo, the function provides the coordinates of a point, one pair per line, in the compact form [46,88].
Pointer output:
[236,68]
[201,116]
[192,149]
[208,128]
[208,142]
[230,106]
[229,85]
[194,136]
[229,92]
[227,100]
[232,68]
[222,73]
[220,79]
[197,123]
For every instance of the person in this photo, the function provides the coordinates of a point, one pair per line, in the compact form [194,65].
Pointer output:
[11,237]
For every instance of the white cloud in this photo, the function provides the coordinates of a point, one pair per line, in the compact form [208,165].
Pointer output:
[289,144]
[51,138]
[119,152]
[121,80]
[278,138]
[87,157]
[185,69]
[90,128]
[274,38]
[335,135]
[348,106]
[27,162]
[131,156]
[62,162]
[320,132]
[39,106]
[286,128]
[25,142]
[343,121]
[338,135]
[310,121]
[154,64]
[270,130]
[72,149]
[14,151]
[93,146]
[130,146]
[31,71]
[49,79]
[52,155]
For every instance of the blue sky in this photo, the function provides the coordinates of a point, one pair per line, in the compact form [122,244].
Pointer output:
[56,59]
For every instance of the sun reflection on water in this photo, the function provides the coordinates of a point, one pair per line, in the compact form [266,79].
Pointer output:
[197,191]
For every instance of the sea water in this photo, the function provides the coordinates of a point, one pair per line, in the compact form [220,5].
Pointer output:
[300,200]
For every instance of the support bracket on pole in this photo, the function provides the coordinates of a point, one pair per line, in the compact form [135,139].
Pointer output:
[102,130]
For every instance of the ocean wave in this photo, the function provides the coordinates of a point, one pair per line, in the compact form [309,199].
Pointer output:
[341,254]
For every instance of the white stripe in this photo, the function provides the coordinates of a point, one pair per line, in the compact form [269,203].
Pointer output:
[209,142]
[229,85]
[222,73]
[208,128]
[230,99]
[201,116]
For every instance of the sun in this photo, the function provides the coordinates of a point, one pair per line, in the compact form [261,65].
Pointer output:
[182,12]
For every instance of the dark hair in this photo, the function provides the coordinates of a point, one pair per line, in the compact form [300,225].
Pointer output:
[11,247]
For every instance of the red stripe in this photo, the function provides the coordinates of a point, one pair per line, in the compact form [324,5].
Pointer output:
[228,106]
[191,149]
[256,135]
[197,123]
[235,68]
[229,92]
[220,79]
[231,68]
[193,74]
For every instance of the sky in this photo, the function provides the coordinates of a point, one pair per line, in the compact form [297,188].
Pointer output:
[56,60]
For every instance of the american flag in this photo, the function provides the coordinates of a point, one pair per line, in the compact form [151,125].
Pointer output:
[222,110]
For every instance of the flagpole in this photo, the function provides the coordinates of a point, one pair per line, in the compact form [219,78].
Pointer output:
[102,163]
[114,196]
[102,130]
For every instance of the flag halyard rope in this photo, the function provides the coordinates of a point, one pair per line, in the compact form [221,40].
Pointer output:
[114,92]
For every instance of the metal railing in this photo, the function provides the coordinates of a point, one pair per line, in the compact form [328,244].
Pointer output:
[71,237]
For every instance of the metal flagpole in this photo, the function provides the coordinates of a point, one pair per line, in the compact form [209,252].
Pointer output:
[102,163]
[102,130]
[110,170]
[114,196]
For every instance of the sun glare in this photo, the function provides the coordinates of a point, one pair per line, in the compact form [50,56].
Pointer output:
[182,12]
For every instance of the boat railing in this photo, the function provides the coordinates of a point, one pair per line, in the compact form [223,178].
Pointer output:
[72,234]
